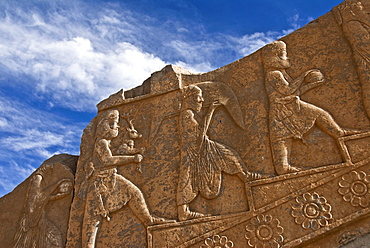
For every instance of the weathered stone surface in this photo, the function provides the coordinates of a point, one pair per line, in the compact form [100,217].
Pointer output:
[35,213]
[264,147]
[264,152]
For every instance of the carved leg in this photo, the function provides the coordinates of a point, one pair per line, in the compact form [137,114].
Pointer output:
[140,209]
[326,123]
[281,152]
[90,230]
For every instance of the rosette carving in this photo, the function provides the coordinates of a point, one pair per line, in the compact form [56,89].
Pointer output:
[311,211]
[264,231]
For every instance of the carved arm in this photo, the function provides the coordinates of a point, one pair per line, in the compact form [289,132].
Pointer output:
[106,158]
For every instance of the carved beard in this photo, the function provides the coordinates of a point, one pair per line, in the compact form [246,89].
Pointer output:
[193,105]
[285,63]
[197,106]
[106,132]
[113,133]
[279,63]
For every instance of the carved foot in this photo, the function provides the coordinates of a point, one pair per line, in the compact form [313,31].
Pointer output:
[287,169]
[157,220]
[255,175]
[189,215]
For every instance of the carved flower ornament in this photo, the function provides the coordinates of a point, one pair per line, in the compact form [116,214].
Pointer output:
[263,231]
[355,188]
[311,211]
[217,242]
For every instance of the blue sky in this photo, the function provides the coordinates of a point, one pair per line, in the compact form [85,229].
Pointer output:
[59,58]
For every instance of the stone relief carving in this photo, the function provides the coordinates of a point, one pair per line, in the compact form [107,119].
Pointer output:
[217,241]
[128,145]
[35,230]
[202,160]
[311,211]
[264,231]
[108,191]
[354,19]
[289,117]
[192,171]
[354,188]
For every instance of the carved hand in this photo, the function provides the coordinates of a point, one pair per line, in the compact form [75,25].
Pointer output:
[138,158]
[215,105]
[310,71]
[314,76]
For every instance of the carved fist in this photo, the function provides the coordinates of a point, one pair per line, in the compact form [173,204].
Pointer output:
[215,104]
[138,158]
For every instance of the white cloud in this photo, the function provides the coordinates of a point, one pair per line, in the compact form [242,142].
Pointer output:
[195,68]
[79,56]
[252,42]
[3,122]
[32,139]
[28,137]
[294,21]
[73,56]
[25,129]
[64,61]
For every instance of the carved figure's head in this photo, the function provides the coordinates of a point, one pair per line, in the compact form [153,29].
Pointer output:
[358,9]
[132,132]
[131,143]
[354,5]
[108,126]
[192,98]
[351,10]
[274,55]
[65,187]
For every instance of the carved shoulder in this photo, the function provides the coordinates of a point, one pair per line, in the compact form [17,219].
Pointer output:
[102,142]
[102,149]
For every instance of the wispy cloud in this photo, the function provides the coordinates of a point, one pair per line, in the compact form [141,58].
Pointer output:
[78,56]
[296,20]
[75,64]
[72,55]
[28,137]
[11,175]
[25,128]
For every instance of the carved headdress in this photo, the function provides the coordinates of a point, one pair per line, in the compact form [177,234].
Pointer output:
[274,55]
[190,90]
[106,128]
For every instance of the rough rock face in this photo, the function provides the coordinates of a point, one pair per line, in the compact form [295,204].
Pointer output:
[272,150]
[36,212]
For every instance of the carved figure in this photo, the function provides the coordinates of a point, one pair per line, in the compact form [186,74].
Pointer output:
[128,146]
[202,160]
[354,19]
[108,191]
[35,229]
[289,117]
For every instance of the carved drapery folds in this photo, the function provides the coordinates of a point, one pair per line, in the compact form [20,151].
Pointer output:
[353,17]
